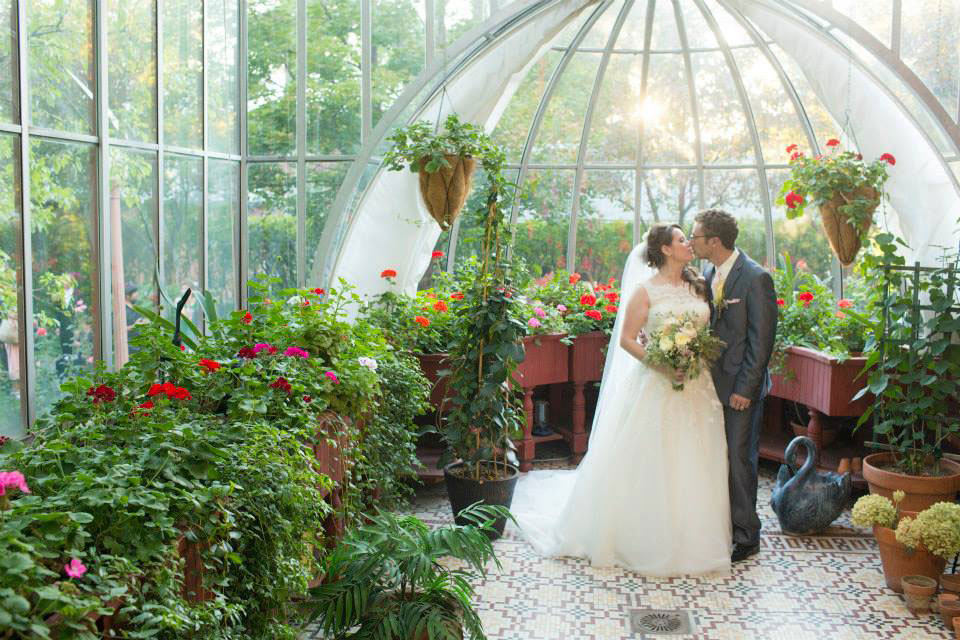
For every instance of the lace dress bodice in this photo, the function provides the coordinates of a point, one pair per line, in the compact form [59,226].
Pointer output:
[672,300]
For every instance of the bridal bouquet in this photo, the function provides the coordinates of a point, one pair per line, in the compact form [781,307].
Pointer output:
[684,346]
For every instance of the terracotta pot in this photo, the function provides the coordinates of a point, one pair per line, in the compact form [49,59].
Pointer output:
[917,591]
[922,491]
[898,561]
[844,238]
[949,611]
[445,190]
[950,583]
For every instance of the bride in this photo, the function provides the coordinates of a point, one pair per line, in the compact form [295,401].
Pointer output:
[651,495]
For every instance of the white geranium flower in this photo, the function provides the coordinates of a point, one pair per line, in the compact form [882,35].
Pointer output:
[369,363]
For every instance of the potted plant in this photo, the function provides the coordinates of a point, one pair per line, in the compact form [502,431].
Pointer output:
[385,579]
[486,350]
[444,159]
[910,543]
[845,188]
[915,377]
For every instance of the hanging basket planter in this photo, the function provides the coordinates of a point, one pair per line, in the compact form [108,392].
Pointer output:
[844,237]
[445,190]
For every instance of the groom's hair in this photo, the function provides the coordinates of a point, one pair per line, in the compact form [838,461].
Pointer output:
[720,224]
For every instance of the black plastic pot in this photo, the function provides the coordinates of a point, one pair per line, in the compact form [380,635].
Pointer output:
[463,492]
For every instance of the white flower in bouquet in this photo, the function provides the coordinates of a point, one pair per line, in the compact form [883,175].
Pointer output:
[680,344]
[683,338]
[666,343]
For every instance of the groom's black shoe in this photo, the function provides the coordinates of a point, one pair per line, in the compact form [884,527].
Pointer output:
[743,551]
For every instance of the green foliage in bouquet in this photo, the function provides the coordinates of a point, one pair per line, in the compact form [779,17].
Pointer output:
[683,346]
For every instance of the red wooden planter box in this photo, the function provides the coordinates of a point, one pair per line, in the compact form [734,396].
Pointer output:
[545,361]
[823,383]
[587,356]
[431,364]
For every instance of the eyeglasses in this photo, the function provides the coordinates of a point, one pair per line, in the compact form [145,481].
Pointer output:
[701,236]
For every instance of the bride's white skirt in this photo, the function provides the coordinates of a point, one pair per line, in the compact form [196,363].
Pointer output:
[651,495]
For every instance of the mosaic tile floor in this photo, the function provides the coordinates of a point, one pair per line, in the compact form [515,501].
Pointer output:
[828,587]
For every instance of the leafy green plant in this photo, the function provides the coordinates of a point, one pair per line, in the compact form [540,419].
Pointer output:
[389,579]
[420,143]
[819,179]
[913,357]
[488,346]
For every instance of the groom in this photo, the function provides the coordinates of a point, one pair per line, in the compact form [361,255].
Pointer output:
[744,315]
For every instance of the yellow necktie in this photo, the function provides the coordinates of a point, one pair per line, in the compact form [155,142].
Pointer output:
[718,288]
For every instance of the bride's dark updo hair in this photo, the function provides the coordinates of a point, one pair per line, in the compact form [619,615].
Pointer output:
[661,235]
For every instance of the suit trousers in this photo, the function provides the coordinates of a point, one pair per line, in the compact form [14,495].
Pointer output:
[743,450]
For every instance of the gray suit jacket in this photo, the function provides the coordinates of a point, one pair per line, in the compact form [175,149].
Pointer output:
[748,324]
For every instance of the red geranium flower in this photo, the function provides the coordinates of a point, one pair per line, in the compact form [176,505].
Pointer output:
[319,292]
[832,142]
[436,255]
[179,393]
[456,296]
[574,278]
[281,384]
[792,147]
[793,199]
[612,297]
[247,318]
[247,352]
[388,273]
[612,308]
[796,156]
[843,303]
[420,320]
[440,305]
[209,365]
[806,296]
[103,393]
[781,302]
[146,405]
[307,399]
[588,300]
[593,314]
[889,158]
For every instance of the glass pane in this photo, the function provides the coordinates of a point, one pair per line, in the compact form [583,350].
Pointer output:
[605,224]
[668,195]
[543,220]
[823,124]
[600,32]
[875,16]
[929,47]
[723,125]
[62,195]
[223,212]
[132,60]
[223,88]
[614,130]
[738,192]
[632,32]
[272,77]
[669,135]
[133,218]
[9,62]
[10,424]
[733,33]
[802,238]
[456,17]
[333,77]
[399,38]
[62,68]
[665,34]
[323,181]
[559,137]
[514,125]
[773,111]
[183,73]
[182,239]
[272,221]
[470,234]
[569,32]
[699,33]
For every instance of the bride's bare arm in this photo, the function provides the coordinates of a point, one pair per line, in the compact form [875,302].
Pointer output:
[634,319]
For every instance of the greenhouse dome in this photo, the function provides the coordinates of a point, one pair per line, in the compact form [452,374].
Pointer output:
[697,316]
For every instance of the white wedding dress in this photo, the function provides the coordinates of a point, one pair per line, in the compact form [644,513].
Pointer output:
[651,495]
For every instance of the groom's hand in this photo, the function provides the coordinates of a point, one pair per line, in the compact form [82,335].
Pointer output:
[738,402]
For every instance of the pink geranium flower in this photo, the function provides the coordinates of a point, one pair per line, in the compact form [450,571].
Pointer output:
[263,346]
[14,480]
[533,322]
[75,568]
[296,352]
[333,377]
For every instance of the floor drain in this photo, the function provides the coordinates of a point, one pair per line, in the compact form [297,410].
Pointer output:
[671,622]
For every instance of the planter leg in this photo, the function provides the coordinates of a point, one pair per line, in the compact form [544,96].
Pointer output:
[528,450]
[815,431]
[579,444]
